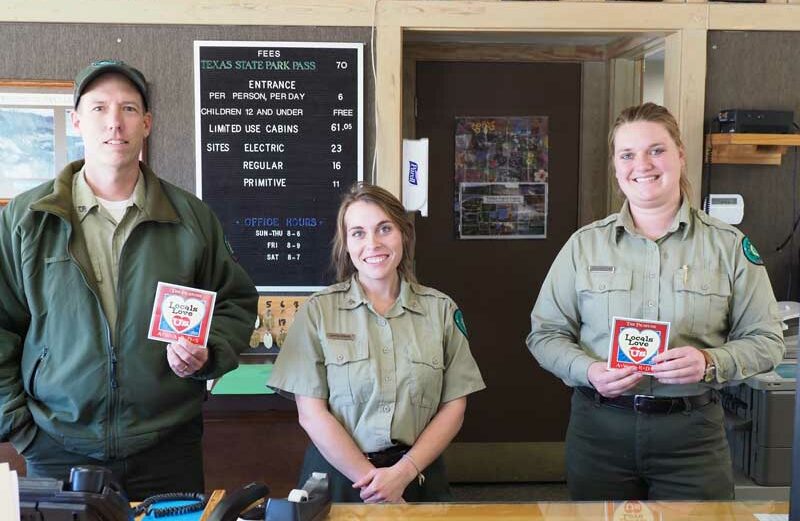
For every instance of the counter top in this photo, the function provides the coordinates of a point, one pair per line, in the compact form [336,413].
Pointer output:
[605,511]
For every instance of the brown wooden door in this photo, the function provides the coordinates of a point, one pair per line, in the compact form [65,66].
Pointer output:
[495,282]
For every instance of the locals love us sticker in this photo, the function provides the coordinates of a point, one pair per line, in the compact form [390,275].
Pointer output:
[180,311]
[636,342]
[182,315]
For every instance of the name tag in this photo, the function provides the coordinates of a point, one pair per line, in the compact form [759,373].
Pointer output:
[340,336]
[601,269]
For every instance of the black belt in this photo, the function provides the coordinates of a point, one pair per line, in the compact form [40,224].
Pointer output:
[387,457]
[651,404]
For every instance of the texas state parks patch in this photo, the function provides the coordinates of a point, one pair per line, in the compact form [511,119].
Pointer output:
[751,252]
[458,318]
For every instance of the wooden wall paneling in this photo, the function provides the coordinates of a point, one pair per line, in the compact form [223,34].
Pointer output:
[242,447]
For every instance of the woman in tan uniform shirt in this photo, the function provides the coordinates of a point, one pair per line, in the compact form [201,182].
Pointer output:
[378,364]
[662,436]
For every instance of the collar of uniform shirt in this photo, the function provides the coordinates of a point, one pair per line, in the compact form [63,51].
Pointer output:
[354,297]
[682,221]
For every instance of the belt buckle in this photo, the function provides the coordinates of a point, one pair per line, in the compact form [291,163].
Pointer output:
[639,401]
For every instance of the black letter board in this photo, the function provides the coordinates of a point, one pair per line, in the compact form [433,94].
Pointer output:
[279,138]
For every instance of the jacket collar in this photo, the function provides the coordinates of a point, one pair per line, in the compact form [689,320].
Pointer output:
[85,200]
[157,206]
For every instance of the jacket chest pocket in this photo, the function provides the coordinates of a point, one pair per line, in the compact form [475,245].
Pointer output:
[348,369]
[702,300]
[427,376]
[603,295]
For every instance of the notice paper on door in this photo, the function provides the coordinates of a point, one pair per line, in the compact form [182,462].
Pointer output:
[636,342]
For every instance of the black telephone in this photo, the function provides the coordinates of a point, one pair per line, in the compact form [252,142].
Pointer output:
[90,495]
[311,503]
[234,503]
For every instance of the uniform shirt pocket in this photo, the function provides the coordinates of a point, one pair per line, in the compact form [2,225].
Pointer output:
[348,371]
[702,300]
[604,295]
[427,377]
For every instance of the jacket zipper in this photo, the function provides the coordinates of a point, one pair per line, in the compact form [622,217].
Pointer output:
[35,372]
[109,430]
[114,382]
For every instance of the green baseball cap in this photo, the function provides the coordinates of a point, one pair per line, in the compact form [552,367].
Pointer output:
[96,68]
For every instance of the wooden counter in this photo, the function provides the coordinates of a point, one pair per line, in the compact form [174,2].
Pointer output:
[606,511]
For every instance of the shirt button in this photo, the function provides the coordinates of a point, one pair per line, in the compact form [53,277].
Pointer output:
[386,349]
[652,275]
[387,378]
[381,322]
[340,357]
[387,408]
[705,286]
[435,360]
[650,303]
[602,286]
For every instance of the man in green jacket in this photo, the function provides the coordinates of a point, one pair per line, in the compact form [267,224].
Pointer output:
[80,259]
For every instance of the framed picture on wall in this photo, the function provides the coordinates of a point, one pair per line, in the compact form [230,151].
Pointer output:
[36,134]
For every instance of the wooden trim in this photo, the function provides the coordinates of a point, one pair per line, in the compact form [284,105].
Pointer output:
[775,15]
[635,45]
[389,100]
[690,107]
[541,16]
[460,52]
[409,97]
[48,84]
[749,149]
[593,180]
[622,94]
[4,202]
[735,138]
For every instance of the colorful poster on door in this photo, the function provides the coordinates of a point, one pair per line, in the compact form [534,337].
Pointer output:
[501,177]
[181,312]
[636,342]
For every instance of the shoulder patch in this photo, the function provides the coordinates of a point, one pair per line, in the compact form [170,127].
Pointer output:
[458,318]
[750,252]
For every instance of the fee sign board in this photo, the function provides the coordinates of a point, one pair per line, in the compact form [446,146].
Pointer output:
[279,139]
